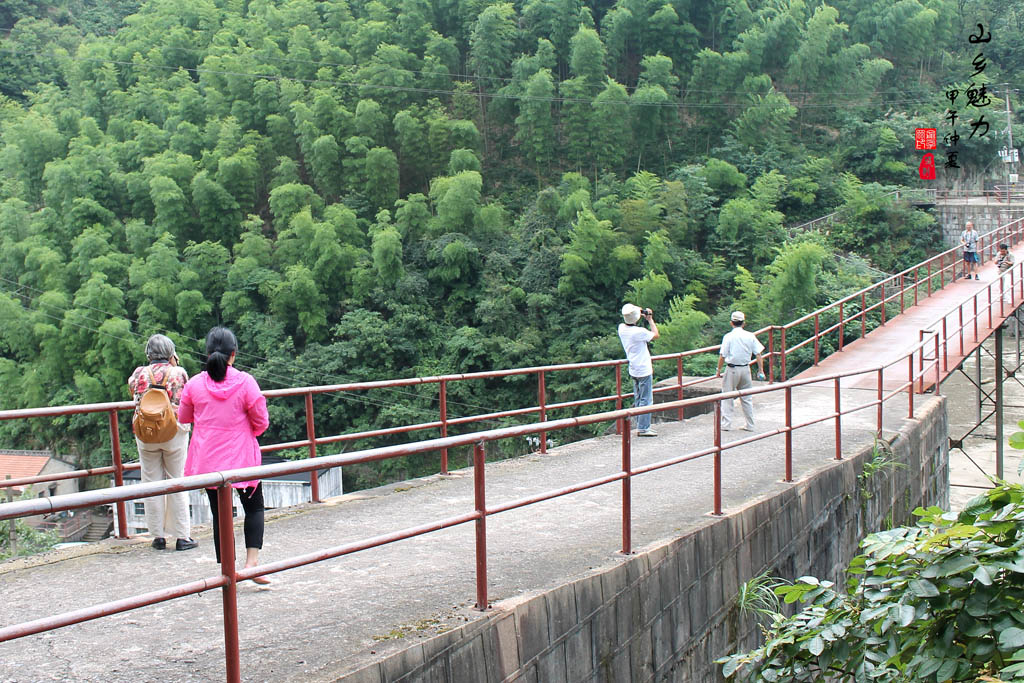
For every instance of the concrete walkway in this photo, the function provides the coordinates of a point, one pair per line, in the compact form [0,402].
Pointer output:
[316,622]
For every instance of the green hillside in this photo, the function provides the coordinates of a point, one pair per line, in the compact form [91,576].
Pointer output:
[367,190]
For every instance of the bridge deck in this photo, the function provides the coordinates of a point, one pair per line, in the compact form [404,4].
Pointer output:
[317,621]
[889,342]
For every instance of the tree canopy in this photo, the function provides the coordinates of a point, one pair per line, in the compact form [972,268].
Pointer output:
[380,189]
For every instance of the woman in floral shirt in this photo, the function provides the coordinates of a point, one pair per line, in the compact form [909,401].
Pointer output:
[167,515]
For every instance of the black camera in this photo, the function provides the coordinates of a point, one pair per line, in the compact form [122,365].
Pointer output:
[647,311]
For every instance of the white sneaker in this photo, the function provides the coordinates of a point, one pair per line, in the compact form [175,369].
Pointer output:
[646,432]
[748,429]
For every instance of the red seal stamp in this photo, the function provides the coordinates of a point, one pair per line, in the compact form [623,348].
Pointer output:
[925,138]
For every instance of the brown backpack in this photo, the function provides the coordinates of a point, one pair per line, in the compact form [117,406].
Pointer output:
[154,420]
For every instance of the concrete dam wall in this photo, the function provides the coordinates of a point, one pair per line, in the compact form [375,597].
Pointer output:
[667,612]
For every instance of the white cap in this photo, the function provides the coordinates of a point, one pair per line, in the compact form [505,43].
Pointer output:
[737,317]
[630,313]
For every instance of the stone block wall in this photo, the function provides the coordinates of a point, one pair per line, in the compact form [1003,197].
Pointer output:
[986,217]
[665,614]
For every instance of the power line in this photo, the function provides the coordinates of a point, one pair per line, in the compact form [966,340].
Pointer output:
[438,91]
[461,76]
[282,380]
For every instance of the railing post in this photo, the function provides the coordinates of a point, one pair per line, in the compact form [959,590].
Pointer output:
[903,294]
[12,534]
[880,395]
[841,324]
[960,311]
[910,386]
[314,478]
[917,283]
[816,333]
[920,359]
[929,277]
[115,456]
[945,347]
[989,290]
[863,315]
[444,423]
[229,594]
[975,317]
[718,459]
[480,503]
[883,302]
[618,395]
[679,389]
[1002,298]
[542,397]
[783,354]
[839,424]
[771,353]
[789,433]
[938,375]
[627,491]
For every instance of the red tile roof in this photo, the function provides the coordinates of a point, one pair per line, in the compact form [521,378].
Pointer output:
[19,466]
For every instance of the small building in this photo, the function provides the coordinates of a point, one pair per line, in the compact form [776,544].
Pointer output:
[18,464]
[69,525]
[278,492]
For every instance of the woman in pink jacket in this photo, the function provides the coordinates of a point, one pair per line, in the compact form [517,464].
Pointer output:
[229,412]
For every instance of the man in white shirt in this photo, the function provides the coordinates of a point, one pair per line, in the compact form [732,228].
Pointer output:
[738,348]
[969,242]
[634,342]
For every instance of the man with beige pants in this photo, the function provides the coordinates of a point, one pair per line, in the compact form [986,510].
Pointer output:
[167,515]
[738,349]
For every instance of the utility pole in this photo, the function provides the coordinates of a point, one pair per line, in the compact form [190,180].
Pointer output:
[1009,132]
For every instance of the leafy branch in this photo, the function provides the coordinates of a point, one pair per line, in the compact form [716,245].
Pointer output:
[939,601]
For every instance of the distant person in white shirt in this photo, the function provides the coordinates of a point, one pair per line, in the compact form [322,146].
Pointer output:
[634,342]
[969,242]
[738,348]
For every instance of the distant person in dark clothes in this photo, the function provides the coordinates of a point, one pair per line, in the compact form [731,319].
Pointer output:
[1004,262]
[229,412]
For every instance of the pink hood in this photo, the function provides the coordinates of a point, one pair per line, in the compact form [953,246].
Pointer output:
[225,389]
[228,416]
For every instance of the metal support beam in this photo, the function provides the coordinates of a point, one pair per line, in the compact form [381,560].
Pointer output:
[1000,376]
[977,381]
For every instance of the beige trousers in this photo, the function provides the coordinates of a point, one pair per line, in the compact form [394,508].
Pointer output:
[737,379]
[166,516]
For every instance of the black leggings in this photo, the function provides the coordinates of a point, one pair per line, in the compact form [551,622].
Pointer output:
[252,503]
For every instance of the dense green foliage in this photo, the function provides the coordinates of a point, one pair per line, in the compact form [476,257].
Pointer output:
[28,540]
[936,602]
[366,190]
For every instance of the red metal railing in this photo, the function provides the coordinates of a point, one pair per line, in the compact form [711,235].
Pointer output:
[903,287]
[998,299]
[482,509]
[443,424]
[909,284]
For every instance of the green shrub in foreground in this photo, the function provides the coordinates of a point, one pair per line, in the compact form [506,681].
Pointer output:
[941,601]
